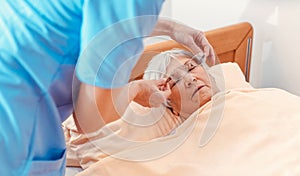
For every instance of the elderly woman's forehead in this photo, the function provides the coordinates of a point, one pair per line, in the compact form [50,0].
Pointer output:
[180,60]
[183,56]
[174,63]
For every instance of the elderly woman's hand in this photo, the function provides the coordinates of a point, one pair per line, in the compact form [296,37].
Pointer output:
[150,93]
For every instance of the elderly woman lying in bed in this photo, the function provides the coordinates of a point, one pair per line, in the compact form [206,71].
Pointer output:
[191,87]
[236,130]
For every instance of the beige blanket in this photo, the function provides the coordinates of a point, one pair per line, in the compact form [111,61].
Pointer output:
[243,131]
[240,132]
[138,126]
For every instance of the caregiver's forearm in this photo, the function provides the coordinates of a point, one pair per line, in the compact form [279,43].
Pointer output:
[164,27]
[96,106]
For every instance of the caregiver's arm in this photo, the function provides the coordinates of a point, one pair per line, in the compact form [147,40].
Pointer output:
[187,36]
[97,106]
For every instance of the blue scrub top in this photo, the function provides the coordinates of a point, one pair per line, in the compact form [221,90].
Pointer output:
[40,44]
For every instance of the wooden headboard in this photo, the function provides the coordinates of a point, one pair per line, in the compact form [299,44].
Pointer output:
[231,44]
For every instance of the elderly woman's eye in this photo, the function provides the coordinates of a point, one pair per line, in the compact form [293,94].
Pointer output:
[191,66]
[173,83]
[175,78]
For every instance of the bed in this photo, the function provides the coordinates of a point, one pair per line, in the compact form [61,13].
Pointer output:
[242,131]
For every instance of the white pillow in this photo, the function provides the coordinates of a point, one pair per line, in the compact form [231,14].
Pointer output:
[229,76]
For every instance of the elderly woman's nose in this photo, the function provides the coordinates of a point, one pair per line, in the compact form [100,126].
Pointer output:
[189,81]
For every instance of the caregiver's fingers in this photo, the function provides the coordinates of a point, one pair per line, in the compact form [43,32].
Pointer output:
[210,55]
[211,59]
[160,96]
[151,93]
[195,48]
[206,48]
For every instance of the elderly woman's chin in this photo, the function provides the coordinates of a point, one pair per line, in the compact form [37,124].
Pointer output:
[204,95]
[198,100]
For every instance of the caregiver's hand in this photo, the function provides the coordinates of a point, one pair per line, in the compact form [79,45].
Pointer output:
[195,40]
[151,93]
[187,36]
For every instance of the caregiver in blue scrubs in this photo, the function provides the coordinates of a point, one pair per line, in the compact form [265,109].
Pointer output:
[43,44]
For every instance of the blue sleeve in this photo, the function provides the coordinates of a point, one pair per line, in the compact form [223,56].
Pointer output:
[112,39]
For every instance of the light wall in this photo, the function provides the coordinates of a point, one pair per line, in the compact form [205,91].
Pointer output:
[276,47]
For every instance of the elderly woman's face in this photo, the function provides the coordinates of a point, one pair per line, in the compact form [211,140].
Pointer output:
[190,85]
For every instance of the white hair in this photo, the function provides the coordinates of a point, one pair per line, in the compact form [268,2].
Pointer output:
[157,67]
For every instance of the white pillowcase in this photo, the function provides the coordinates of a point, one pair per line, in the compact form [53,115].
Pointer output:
[229,76]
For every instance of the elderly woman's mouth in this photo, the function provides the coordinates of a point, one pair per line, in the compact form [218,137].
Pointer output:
[198,88]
